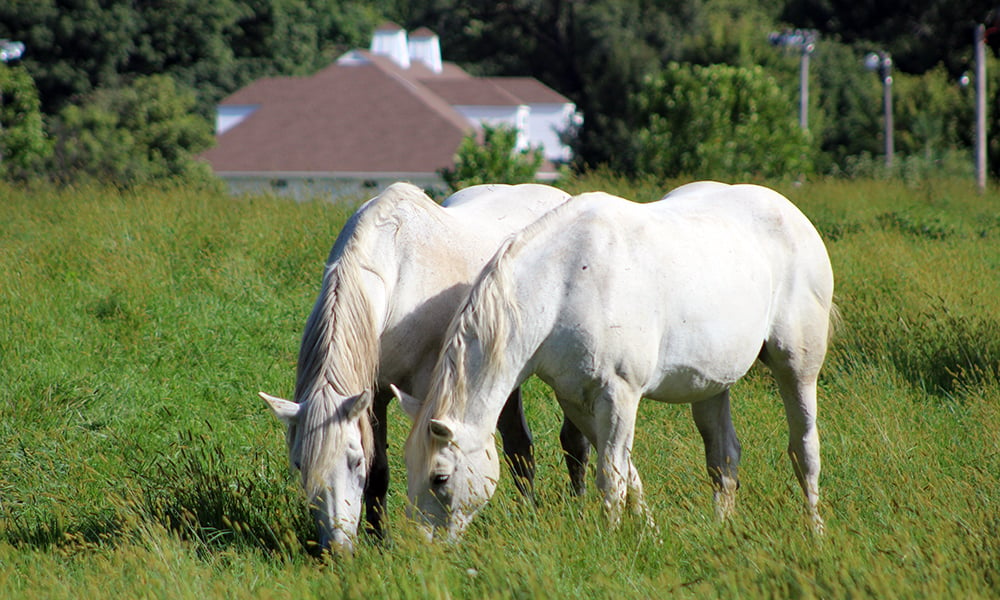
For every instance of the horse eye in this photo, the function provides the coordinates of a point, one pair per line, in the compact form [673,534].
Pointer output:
[298,467]
[439,479]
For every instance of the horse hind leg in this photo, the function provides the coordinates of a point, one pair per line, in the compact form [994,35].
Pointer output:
[517,443]
[796,374]
[799,398]
[576,447]
[722,450]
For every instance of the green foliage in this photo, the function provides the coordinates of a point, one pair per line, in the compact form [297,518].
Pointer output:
[919,35]
[71,47]
[133,135]
[718,122]
[844,115]
[729,32]
[598,54]
[932,114]
[495,160]
[76,47]
[23,143]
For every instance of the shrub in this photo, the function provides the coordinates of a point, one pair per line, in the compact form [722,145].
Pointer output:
[144,132]
[718,122]
[22,138]
[496,160]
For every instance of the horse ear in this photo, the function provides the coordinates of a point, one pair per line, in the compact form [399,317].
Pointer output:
[362,404]
[409,404]
[285,411]
[441,430]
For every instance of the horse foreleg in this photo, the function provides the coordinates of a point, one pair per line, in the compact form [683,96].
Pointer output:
[577,449]
[722,450]
[377,485]
[617,478]
[517,443]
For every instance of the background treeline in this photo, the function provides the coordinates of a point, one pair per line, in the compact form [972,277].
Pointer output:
[125,91]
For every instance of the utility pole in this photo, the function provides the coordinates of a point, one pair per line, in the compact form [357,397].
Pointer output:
[803,40]
[881,62]
[979,39]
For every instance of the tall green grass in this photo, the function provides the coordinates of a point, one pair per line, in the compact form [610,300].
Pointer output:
[135,459]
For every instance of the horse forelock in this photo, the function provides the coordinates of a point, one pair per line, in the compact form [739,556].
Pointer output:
[321,439]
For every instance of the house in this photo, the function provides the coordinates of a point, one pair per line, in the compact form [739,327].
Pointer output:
[393,112]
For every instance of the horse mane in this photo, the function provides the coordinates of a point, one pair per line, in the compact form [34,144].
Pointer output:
[339,354]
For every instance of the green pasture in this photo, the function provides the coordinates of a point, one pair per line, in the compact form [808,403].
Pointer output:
[137,462]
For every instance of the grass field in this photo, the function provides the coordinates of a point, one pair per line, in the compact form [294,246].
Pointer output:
[136,460]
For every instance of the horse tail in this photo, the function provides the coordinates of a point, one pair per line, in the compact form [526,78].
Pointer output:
[836,323]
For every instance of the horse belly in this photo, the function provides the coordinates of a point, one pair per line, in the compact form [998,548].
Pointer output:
[704,350]
[686,383]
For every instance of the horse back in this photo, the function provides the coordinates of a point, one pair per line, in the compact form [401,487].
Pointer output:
[502,208]
[679,294]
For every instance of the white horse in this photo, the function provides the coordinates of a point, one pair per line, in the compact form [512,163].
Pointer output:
[395,276]
[609,301]
[576,446]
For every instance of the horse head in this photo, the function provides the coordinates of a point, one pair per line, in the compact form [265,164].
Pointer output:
[452,471]
[329,442]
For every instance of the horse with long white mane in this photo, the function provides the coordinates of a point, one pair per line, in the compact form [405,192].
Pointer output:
[395,276]
[609,301]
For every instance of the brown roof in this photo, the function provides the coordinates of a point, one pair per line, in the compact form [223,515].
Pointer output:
[471,92]
[345,119]
[529,90]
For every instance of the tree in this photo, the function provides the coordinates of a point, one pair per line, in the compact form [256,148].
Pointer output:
[920,34]
[77,46]
[132,135]
[847,121]
[493,161]
[718,122]
[23,144]
[71,46]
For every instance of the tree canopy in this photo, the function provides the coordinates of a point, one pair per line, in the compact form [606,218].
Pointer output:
[600,54]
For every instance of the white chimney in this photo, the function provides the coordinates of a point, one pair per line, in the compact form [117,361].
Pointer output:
[390,40]
[425,47]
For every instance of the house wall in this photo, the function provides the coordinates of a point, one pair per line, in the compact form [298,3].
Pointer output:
[511,116]
[537,125]
[229,116]
[546,122]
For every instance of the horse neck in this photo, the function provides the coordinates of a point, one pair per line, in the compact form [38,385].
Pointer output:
[489,348]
